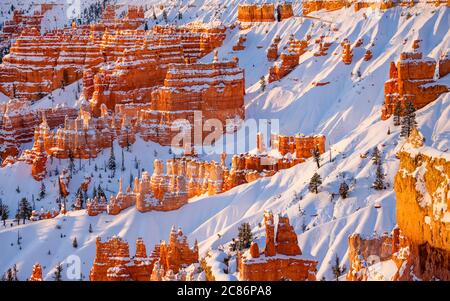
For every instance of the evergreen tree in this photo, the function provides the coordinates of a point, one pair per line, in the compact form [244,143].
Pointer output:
[90,228]
[262,83]
[123,162]
[42,192]
[71,161]
[316,155]
[75,243]
[337,270]
[314,183]
[245,236]
[343,190]
[376,156]
[57,276]
[145,26]
[100,192]
[4,213]
[14,273]
[180,15]
[397,113]
[154,15]
[24,209]
[408,121]
[112,160]
[378,184]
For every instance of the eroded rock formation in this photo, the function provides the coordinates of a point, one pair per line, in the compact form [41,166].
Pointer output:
[412,80]
[36,273]
[281,258]
[167,261]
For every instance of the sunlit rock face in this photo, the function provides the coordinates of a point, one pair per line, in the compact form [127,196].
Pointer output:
[113,262]
[423,215]
[36,274]
[420,245]
[412,79]
[281,258]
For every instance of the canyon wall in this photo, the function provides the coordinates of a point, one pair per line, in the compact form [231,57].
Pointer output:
[423,215]
[281,258]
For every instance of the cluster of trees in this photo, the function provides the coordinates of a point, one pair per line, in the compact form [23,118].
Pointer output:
[405,117]
[11,274]
[93,12]
[244,238]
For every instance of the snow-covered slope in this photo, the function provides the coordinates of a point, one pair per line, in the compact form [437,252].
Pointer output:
[347,111]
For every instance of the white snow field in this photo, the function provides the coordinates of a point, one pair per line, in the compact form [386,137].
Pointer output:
[347,111]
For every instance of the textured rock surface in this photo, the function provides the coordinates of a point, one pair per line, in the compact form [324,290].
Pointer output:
[256,13]
[36,274]
[412,79]
[281,258]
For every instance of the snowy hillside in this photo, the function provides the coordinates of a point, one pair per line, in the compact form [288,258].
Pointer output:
[347,111]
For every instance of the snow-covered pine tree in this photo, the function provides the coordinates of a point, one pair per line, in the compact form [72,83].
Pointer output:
[408,121]
[337,269]
[315,182]
[4,213]
[378,184]
[24,209]
[57,276]
[397,113]
[42,192]
[75,243]
[376,156]
[245,236]
[343,190]
[112,160]
[262,83]
[316,155]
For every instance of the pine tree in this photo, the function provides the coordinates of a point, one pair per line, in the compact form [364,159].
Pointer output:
[71,161]
[378,184]
[397,113]
[14,273]
[337,270]
[262,83]
[123,162]
[343,190]
[42,192]
[75,243]
[408,121]
[4,213]
[376,156]
[100,192]
[314,183]
[90,228]
[57,276]
[245,236]
[165,16]
[112,160]
[316,155]
[24,209]
[180,15]
[145,26]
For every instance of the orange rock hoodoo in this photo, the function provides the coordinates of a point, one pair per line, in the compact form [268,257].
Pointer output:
[289,59]
[412,80]
[347,54]
[281,258]
[272,51]
[187,177]
[36,274]
[240,43]
[113,263]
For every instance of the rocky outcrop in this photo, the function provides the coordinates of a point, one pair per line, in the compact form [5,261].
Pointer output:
[272,51]
[37,215]
[240,43]
[310,6]
[281,258]
[96,206]
[113,262]
[420,245]
[421,187]
[215,89]
[36,273]
[412,80]
[256,13]
[363,252]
